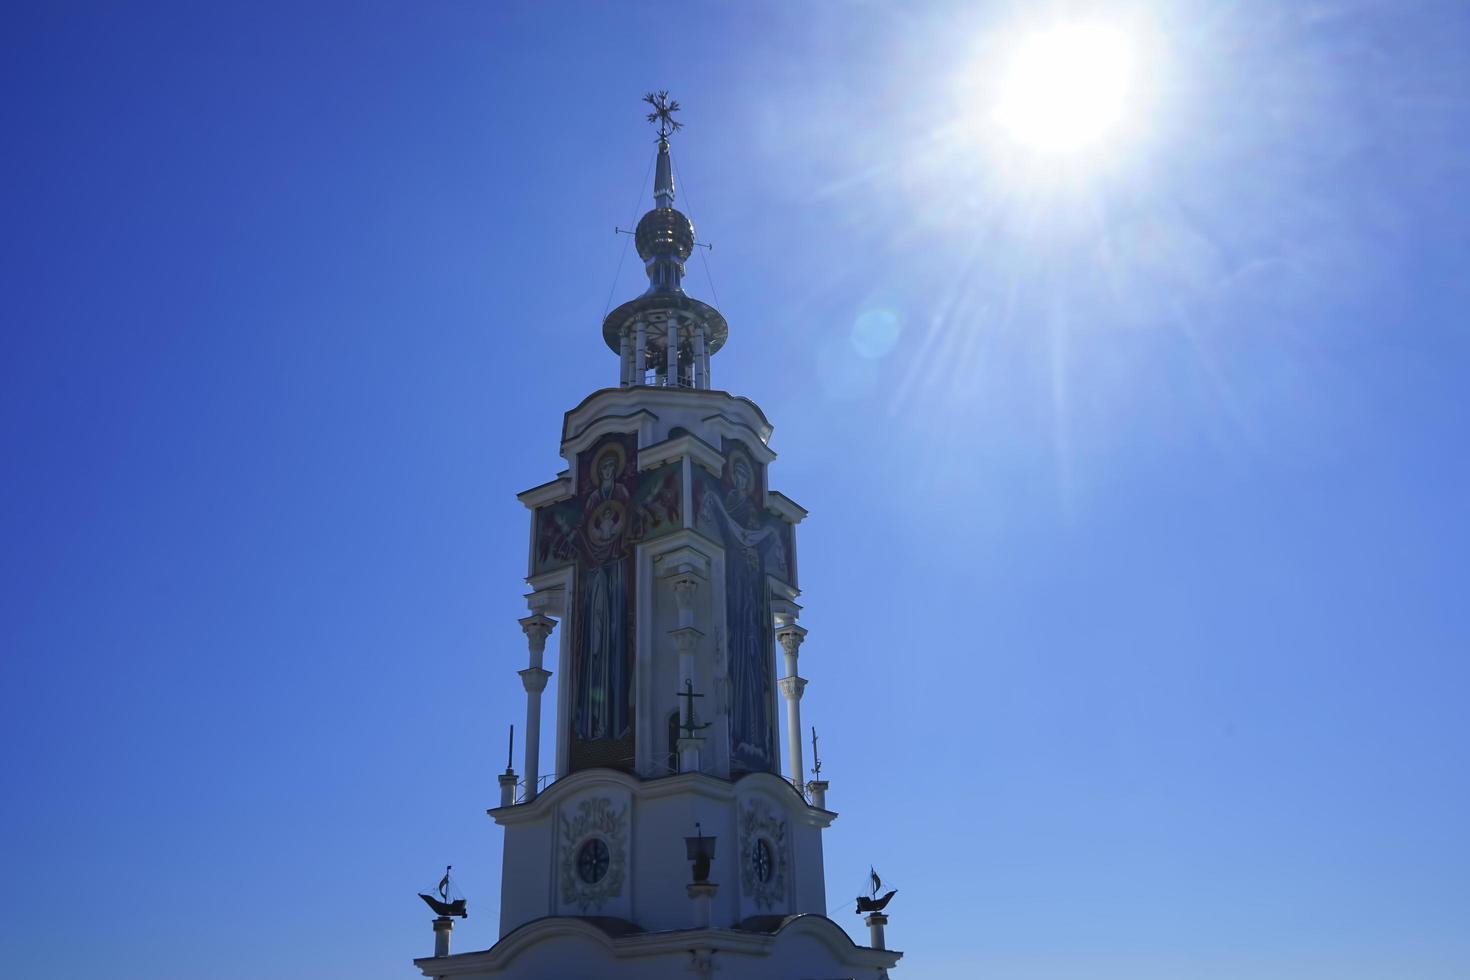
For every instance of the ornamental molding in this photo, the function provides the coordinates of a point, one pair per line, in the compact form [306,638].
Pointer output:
[540,933]
[549,590]
[547,493]
[709,402]
[783,596]
[589,782]
[759,822]
[741,432]
[681,560]
[633,422]
[784,507]
[671,450]
[594,819]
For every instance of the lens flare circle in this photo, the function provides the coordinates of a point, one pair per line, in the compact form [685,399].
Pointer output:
[875,332]
[1066,87]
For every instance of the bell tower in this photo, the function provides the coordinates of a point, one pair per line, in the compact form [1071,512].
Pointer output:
[662,581]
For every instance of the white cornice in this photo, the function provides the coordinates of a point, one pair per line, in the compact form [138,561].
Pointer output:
[640,945]
[742,432]
[782,590]
[784,507]
[783,606]
[630,422]
[623,400]
[549,590]
[545,801]
[547,493]
[684,559]
[677,448]
[696,784]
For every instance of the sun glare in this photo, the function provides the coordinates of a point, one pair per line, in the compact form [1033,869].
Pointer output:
[1066,88]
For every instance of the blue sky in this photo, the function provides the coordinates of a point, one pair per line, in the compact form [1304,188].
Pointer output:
[1135,570]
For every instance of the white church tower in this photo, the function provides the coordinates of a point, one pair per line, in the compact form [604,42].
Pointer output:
[663,580]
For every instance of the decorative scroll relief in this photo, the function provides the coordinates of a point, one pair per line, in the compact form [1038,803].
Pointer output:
[594,853]
[763,861]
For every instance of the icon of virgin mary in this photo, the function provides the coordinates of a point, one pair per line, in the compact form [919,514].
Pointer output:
[601,679]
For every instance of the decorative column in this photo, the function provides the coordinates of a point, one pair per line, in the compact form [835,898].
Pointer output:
[537,629]
[625,360]
[816,790]
[701,851]
[702,894]
[682,571]
[701,366]
[640,352]
[790,637]
[876,921]
[443,926]
[686,638]
[672,354]
[508,780]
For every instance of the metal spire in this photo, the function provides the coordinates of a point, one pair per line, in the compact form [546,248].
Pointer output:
[664,329]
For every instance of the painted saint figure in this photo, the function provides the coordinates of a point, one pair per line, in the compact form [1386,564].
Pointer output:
[615,508]
[752,543]
[602,612]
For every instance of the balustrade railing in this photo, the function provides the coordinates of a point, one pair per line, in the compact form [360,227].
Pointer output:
[654,380]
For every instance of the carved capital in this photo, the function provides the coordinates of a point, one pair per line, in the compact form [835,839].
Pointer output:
[685,586]
[534,679]
[537,628]
[792,687]
[686,638]
[790,638]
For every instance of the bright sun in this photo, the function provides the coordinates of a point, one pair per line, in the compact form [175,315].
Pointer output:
[1066,88]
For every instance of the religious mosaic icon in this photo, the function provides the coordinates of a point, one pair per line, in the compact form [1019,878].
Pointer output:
[594,853]
[615,509]
[757,544]
[763,862]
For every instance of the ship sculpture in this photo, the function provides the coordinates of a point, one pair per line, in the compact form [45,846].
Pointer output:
[873,902]
[443,905]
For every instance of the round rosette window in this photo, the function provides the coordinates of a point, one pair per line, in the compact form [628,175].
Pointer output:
[593,860]
[762,860]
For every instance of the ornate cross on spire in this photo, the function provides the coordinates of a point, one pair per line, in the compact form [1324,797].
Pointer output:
[663,113]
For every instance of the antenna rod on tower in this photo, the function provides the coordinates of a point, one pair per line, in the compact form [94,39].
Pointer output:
[510,753]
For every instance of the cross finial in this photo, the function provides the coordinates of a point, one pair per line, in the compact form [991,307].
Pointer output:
[663,112]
